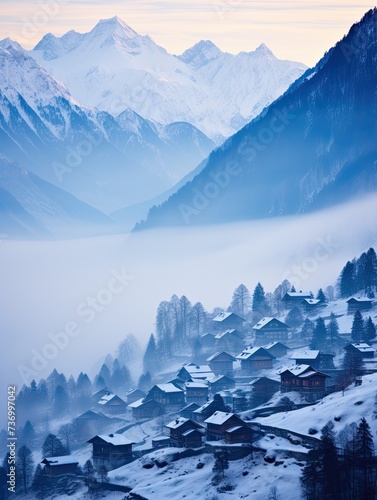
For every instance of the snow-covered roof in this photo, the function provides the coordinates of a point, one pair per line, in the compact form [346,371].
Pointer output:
[224,315]
[137,403]
[114,439]
[235,428]
[363,347]
[220,335]
[196,385]
[309,354]
[265,321]
[216,378]
[195,370]
[358,299]
[109,397]
[265,378]
[63,460]
[250,351]
[176,423]
[218,418]
[312,302]
[214,356]
[190,407]
[302,371]
[168,387]
[304,295]
[190,431]
[132,391]
[273,344]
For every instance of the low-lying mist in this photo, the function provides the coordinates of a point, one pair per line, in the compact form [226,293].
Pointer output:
[66,304]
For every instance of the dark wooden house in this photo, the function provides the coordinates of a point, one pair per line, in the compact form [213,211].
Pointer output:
[311,307]
[90,423]
[178,429]
[112,404]
[196,392]
[221,363]
[294,299]
[219,422]
[265,385]
[358,304]
[305,380]
[205,411]
[307,357]
[167,394]
[146,409]
[226,321]
[232,341]
[97,396]
[221,383]
[361,349]
[112,451]
[134,395]
[277,349]
[188,411]
[239,434]
[270,330]
[57,466]
[254,359]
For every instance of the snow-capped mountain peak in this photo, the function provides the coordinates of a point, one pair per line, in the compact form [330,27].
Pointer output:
[7,43]
[200,54]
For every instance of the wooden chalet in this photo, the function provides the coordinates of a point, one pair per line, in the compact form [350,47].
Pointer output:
[239,434]
[196,392]
[167,394]
[180,436]
[219,422]
[361,349]
[277,349]
[134,395]
[358,304]
[90,423]
[57,466]
[265,385]
[305,380]
[146,409]
[254,359]
[113,404]
[221,383]
[111,451]
[97,396]
[226,321]
[270,330]
[294,299]
[205,411]
[194,371]
[232,341]
[311,307]
[221,363]
[188,411]
[307,356]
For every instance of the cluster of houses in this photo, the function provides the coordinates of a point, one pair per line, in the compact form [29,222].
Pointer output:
[190,395]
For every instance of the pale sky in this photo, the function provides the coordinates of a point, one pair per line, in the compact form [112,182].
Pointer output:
[296,30]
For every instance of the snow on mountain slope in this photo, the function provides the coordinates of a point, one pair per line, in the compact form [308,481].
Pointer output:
[114,68]
[107,162]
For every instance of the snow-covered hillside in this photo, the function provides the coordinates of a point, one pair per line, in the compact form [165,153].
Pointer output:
[114,68]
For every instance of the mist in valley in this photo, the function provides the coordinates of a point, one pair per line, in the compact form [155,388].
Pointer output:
[66,304]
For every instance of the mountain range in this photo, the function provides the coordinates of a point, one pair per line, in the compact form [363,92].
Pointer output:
[313,147]
[114,68]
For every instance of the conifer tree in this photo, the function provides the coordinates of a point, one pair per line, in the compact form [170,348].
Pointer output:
[319,335]
[357,330]
[150,356]
[369,330]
